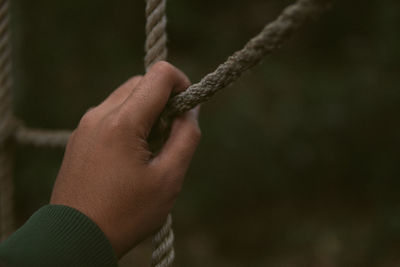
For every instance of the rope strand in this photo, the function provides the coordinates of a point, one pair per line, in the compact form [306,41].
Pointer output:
[156,36]
[267,41]
[156,50]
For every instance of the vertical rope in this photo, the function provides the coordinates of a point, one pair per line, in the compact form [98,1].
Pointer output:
[156,49]
[6,126]
[156,36]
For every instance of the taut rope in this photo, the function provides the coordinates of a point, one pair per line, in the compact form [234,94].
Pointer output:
[156,50]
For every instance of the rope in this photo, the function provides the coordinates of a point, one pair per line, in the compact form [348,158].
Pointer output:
[164,254]
[7,126]
[41,137]
[6,118]
[156,36]
[156,50]
[267,41]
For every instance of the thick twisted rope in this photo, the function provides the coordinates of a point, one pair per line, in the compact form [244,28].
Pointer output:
[6,118]
[156,50]
[7,126]
[269,39]
[266,42]
[163,240]
[156,36]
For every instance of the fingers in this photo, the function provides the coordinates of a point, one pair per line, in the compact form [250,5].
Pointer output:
[178,150]
[118,96]
[151,94]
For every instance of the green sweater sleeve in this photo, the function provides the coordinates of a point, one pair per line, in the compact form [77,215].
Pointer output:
[57,236]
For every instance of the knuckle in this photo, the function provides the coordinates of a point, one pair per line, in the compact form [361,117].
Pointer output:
[136,78]
[164,67]
[133,121]
[122,124]
[117,121]
[111,130]
[88,118]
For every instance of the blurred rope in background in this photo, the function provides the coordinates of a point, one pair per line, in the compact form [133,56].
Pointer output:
[7,126]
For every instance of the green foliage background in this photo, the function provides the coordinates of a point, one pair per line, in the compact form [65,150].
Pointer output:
[298,165]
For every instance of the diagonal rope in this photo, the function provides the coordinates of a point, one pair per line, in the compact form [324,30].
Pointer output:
[7,126]
[266,42]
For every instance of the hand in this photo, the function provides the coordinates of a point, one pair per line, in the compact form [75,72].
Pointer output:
[108,171]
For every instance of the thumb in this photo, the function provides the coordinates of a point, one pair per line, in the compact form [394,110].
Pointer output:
[182,142]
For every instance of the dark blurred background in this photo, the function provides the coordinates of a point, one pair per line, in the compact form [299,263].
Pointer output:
[298,164]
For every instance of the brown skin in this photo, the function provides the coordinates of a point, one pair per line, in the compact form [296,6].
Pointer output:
[108,172]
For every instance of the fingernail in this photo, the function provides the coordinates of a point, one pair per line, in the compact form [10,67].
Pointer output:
[196,111]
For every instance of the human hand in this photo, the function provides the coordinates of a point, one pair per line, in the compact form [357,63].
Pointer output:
[108,172]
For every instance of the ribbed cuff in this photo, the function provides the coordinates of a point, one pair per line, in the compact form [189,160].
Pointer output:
[58,236]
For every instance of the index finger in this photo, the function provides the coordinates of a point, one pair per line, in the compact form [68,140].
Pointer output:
[151,94]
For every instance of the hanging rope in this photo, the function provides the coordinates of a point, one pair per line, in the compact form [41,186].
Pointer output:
[156,50]
[156,35]
[163,240]
[7,126]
